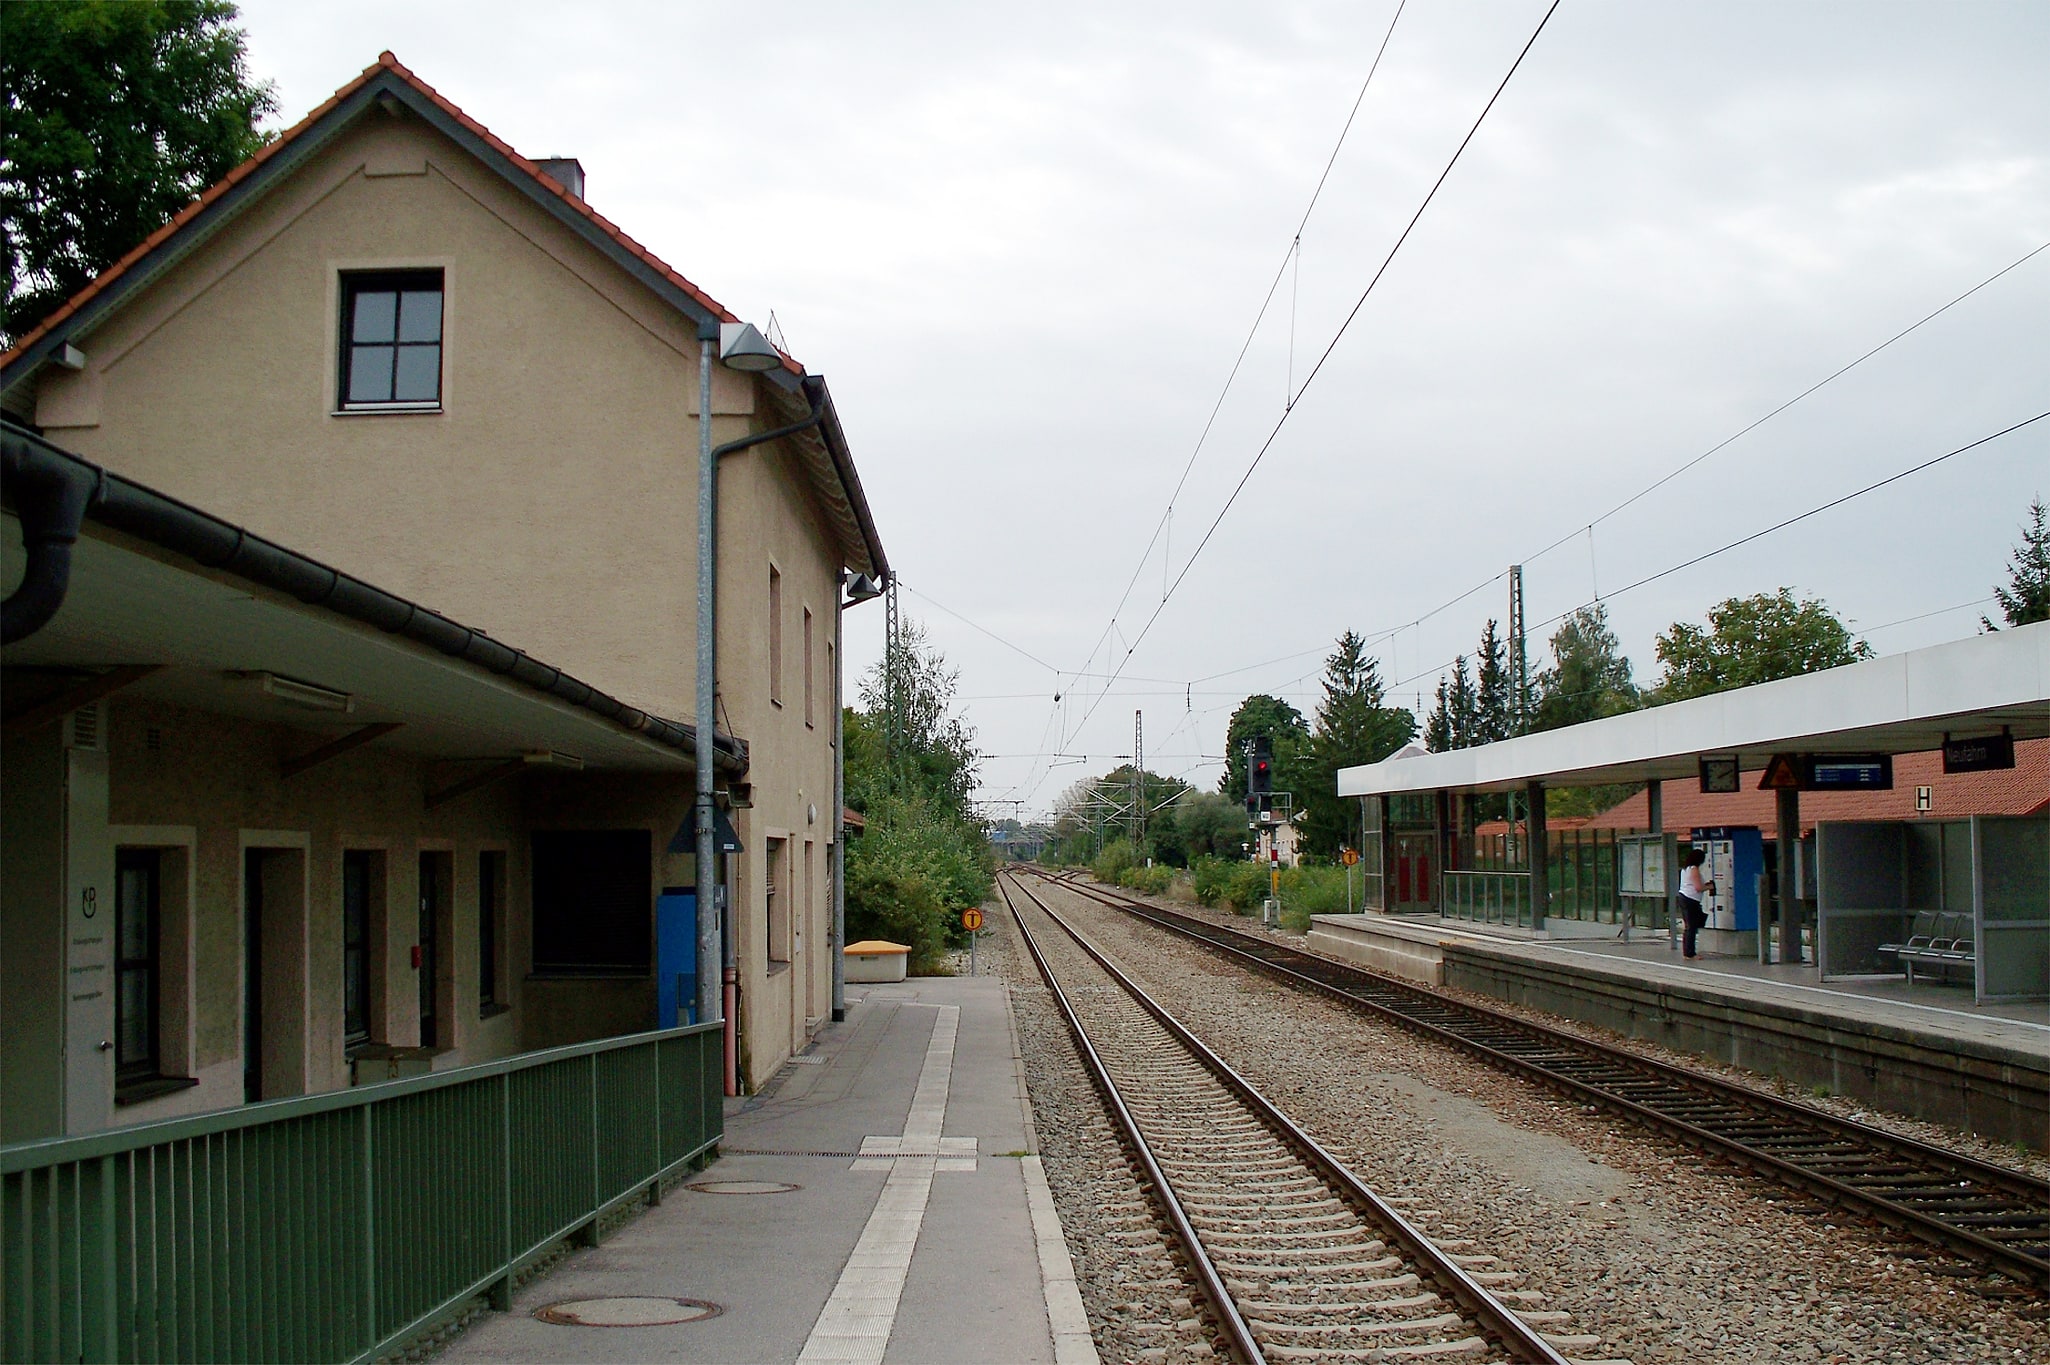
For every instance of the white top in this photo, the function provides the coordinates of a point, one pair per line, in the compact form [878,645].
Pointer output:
[1693,885]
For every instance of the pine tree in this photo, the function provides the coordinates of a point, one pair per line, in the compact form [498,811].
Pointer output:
[2026,599]
[1354,726]
[1495,698]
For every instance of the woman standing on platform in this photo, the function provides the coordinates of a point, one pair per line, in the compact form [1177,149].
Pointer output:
[1694,889]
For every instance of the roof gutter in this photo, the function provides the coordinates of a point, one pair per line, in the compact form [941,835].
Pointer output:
[54,491]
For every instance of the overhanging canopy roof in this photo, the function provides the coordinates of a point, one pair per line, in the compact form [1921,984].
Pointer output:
[1903,703]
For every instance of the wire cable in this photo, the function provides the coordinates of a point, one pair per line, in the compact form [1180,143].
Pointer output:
[1337,337]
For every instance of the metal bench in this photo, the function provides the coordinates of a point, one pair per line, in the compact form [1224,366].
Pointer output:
[1936,939]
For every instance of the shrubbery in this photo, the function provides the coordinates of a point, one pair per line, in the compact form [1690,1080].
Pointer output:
[910,877]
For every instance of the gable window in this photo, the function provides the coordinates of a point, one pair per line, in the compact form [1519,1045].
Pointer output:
[391,341]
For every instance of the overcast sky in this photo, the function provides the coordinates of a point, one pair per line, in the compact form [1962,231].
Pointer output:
[1025,245]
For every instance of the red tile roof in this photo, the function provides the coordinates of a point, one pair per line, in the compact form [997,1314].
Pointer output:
[386,62]
[2023,789]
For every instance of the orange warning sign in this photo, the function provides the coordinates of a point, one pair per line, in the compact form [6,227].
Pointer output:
[1782,773]
[971,920]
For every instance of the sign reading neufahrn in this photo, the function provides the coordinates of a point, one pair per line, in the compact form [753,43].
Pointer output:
[1978,755]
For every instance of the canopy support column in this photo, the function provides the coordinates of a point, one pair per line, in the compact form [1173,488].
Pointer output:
[1540,855]
[1789,839]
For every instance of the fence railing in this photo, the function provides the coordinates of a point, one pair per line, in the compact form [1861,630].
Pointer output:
[1487,897]
[332,1227]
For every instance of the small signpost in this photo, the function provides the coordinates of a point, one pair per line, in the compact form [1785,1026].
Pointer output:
[1350,857]
[971,920]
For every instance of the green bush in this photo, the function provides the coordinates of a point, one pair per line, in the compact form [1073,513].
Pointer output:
[1211,876]
[1153,881]
[1246,887]
[1118,857]
[909,877]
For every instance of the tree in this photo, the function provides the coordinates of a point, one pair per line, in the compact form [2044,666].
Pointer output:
[1283,725]
[1354,725]
[2026,599]
[117,114]
[910,764]
[1494,703]
[1451,724]
[1752,640]
[1589,677]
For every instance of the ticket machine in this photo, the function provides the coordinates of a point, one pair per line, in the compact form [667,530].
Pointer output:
[1736,861]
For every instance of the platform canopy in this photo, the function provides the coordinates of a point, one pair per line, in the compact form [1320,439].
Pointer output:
[1903,703]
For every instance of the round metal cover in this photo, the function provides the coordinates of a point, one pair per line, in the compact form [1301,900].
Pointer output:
[626,1311]
[743,1187]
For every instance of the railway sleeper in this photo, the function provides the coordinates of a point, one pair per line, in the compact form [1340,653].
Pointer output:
[1270,1309]
[1375,1332]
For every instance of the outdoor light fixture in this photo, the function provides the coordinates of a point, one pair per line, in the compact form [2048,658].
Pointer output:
[312,696]
[743,347]
[863,588]
[551,758]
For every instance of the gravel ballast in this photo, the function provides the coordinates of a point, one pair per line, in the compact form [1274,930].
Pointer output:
[1665,1255]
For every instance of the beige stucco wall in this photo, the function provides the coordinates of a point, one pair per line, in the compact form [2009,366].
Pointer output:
[551,502]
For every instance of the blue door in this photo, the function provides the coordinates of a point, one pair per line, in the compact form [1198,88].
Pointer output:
[676,957]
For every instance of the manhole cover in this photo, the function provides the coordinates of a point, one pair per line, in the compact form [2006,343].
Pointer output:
[627,1311]
[742,1187]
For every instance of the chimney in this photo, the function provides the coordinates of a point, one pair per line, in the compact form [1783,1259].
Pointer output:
[565,171]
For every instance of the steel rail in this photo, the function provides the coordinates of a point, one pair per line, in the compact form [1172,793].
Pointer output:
[1523,1341]
[1209,1277]
[2029,1269]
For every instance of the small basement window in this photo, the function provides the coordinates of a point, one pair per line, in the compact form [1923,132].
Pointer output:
[391,341]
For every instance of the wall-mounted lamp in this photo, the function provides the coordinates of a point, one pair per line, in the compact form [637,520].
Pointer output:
[312,696]
[743,347]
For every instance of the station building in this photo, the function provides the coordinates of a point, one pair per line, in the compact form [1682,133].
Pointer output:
[355,744]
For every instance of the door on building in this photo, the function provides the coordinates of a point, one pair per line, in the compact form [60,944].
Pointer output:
[430,932]
[252,975]
[1411,890]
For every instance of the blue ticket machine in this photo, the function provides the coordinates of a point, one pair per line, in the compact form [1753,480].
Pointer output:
[1736,860]
[676,957]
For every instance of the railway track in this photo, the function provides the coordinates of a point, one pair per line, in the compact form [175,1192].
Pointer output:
[1297,1258]
[1997,1217]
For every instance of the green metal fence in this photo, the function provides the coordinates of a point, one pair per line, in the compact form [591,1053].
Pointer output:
[1487,897]
[331,1227]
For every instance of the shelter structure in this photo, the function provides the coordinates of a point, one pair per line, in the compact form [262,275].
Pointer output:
[1986,699]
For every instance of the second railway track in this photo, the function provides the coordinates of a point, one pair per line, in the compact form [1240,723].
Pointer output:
[1298,1259]
[1987,1213]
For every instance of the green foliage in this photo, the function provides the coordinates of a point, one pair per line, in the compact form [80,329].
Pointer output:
[911,874]
[2026,598]
[117,114]
[1752,640]
[1453,721]
[1201,825]
[1118,857]
[1153,881]
[1212,877]
[1354,726]
[924,857]
[1589,677]
[1283,725]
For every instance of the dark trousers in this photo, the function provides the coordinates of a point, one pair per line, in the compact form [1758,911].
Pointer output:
[1695,918]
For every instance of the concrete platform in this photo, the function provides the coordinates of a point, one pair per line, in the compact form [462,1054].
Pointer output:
[916,1226]
[1926,1051]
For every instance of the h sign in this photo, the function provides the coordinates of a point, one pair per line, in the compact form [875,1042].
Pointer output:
[1925,799]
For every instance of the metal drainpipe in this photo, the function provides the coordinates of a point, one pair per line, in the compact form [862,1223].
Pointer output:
[51,502]
[836,942]
[715,999]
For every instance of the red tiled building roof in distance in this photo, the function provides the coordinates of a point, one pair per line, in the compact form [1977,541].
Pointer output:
[2023,789]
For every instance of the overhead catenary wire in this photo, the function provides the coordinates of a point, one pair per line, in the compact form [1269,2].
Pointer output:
[1323,358]
[1245,347]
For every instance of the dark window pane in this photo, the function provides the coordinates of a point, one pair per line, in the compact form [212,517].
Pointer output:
[134,899]
[419,379]
[593,900]
[370,374]
[133,1035]
[420,315]
[376,316]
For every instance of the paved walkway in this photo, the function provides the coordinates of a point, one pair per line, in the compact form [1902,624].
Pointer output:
[878,1204]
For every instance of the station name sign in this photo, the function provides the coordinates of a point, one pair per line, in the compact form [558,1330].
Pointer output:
[1978,755]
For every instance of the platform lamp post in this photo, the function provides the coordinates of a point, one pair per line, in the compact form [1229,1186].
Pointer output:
[739,346]
[861,588]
